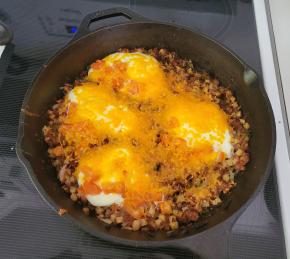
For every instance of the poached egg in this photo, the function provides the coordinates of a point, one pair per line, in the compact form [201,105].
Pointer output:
[136,75]
[202,127]
[94,113]
[116,174]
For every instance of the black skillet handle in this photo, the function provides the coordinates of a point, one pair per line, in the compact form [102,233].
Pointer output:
[107,14]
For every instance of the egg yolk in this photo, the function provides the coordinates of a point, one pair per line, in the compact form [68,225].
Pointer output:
[134,74]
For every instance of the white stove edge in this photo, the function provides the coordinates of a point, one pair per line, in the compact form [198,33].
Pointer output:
[2,50]
[275,93]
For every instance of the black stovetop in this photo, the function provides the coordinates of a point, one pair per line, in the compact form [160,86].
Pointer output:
[28,227]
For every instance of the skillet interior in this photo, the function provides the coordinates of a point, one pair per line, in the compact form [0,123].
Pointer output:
[206,54]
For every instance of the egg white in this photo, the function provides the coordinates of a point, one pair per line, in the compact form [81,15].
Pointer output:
[101,199]
[72,97]
[105,199]
[225,146]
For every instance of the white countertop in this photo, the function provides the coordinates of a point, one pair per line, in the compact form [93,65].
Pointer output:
[280,18]
[272,82]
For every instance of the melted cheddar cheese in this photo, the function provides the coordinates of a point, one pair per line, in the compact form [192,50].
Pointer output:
[153,134]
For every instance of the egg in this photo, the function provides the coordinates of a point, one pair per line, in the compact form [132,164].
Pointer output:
[103,199]
[136,75]
[98,106]
[201,126]
[115,174]
[94,113]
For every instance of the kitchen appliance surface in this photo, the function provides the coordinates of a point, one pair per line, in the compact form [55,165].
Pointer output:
[56,28]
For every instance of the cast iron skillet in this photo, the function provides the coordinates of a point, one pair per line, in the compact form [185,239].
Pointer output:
[209,237]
